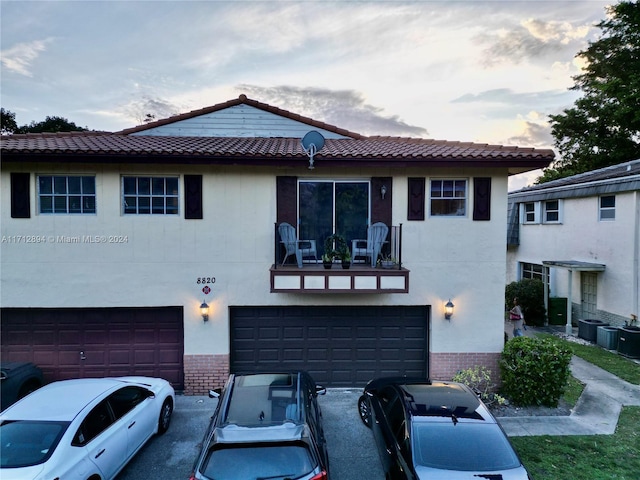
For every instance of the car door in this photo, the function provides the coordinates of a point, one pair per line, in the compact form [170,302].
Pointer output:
[134,410]
[105,441]
[390,431]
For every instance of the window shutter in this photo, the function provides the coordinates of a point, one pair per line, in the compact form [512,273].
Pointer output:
[193,197]
[20,202]
[381,207]
[286,200]
[482,198]
[416,201]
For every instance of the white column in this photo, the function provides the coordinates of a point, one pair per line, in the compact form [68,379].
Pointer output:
[568,329]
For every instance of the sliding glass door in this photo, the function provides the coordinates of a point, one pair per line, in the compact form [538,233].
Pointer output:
[327,206]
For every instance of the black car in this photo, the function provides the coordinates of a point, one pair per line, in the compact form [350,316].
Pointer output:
[266,426]
[436,430]
[18,379]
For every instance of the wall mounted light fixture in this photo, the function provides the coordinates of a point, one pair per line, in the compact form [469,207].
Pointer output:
[448,310]
[383,191]
[204,311]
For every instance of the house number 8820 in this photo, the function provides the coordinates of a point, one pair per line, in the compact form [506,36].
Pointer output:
[205,280]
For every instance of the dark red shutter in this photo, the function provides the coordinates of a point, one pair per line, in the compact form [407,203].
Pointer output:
[193,197]
[416,200]
[482,198]
[20,201]
[286,200]
[381,207]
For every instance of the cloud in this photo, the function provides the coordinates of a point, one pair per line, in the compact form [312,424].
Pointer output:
[510,97]
[21,56]
[343,108]
[535,134]
[140,108]
[532,39]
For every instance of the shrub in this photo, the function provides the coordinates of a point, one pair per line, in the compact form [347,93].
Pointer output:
[478,379]
[534,371]
[530,294]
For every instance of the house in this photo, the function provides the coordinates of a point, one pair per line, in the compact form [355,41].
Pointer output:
[112,243]
[581,235]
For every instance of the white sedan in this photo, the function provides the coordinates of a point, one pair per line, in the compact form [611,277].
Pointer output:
[85,429]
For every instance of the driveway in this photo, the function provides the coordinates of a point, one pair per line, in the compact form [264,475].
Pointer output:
[352,450]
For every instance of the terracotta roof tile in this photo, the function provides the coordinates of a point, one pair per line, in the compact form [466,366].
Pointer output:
[364,148]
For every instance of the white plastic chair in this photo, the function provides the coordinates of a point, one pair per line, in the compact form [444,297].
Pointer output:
[301,248]
[371,247]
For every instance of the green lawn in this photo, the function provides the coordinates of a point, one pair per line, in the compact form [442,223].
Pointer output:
[594,457]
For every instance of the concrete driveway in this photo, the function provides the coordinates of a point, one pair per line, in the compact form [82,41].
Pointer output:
[352,451]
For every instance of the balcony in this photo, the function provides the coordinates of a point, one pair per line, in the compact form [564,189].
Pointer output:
[360,277]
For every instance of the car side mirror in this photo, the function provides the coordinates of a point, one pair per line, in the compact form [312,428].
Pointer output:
[320,390]
[215,393]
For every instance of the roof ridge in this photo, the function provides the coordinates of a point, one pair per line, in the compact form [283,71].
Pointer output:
[242,99]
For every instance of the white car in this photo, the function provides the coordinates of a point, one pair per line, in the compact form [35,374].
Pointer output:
[85,429]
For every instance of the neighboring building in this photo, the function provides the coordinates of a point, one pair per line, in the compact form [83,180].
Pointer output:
[581,234]
[111,241]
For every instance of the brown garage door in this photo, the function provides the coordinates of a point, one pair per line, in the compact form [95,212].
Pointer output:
[97,342]
[339,346]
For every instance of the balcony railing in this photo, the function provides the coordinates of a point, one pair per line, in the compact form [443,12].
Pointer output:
[357,276]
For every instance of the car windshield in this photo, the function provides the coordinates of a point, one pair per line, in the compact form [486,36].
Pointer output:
[27,443]
[462,446]
[259,462]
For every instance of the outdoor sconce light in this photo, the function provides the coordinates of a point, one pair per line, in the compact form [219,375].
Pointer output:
[448,310]
[383,191]
[204,311]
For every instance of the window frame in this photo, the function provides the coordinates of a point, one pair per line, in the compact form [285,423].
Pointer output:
[602,209]
[552,211]
[67,195]
[445,198]
[150,196]
[530,217]
[530,271]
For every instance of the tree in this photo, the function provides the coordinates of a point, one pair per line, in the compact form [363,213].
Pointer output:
[7,122]
[48,125]
[603,126]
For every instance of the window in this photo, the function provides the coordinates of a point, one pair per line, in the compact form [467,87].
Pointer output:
[66,194]
[552,211]
[150,195]
[98,420]
[448,197]
[533,271]
[530,212]
[327,207]
[608,208]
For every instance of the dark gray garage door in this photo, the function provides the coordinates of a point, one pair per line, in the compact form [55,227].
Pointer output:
[97,342]
[339,346]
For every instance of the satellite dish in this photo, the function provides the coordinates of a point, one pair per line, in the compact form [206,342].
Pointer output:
[312,143]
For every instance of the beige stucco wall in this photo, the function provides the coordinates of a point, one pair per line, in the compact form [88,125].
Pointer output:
[582,237]
[156,260]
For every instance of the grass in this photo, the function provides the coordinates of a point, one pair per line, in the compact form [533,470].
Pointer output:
[611,362]
[592,457]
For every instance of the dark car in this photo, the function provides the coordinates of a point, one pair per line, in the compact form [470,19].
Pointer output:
[18,379]
[266,426]
[436,430]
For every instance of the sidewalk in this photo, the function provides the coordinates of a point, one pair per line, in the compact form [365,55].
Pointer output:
[595,413]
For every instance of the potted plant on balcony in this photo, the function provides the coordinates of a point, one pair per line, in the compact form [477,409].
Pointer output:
[329,252]
[335,246]
[386,261]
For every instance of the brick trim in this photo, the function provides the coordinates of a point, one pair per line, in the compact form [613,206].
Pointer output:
[443,366]
[204,372]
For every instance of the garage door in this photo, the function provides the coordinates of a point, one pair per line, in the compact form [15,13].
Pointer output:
[339,346]
[97,342]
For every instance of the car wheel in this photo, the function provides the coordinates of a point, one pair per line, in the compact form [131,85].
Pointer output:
[363,409]
[165,416]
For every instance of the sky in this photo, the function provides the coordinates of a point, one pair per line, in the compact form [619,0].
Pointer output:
[470,71]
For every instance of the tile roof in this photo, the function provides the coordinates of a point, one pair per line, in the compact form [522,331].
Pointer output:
[355,150]
[210,149]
